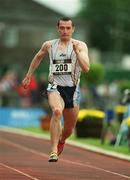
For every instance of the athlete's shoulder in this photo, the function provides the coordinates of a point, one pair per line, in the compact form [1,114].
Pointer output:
[47,44]
[79,42]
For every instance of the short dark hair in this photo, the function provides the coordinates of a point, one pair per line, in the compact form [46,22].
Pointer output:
[65,19]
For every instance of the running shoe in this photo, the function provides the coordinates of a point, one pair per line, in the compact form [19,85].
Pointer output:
[60,148]
[53,157]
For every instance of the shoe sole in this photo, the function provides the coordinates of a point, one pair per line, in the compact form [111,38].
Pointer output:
[52,160]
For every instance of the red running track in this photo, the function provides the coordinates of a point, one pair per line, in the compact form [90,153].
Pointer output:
[24,157]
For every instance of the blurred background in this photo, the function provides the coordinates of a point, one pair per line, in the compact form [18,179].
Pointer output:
[104,26]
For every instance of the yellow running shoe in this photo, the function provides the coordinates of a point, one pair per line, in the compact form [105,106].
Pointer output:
[53,157]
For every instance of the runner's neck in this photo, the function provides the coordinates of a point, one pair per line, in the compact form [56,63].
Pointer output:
[63,44]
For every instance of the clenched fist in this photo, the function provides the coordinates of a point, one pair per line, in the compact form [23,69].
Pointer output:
[26,81]
[76,46]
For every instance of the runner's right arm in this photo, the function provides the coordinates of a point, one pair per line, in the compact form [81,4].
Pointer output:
[35,63]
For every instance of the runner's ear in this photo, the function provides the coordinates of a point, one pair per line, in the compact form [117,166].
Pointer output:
[73,28]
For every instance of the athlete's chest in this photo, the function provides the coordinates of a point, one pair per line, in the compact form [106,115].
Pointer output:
[62,60]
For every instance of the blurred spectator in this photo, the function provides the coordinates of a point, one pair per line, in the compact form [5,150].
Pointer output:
[114,92]
[99,95]
[42,85]
[8,81]
[8,84]
[109,125]
[124,131]
[84,99]
[126,97]
[33,87]
[29,96]
[42,93]
[24,96]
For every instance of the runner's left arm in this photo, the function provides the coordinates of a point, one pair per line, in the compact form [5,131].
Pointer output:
[81,51]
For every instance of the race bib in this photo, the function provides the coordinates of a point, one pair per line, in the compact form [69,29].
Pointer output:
[62,67]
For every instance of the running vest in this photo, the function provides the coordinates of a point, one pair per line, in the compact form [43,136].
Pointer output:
[64,69]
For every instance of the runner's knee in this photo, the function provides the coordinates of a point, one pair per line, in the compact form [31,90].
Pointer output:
[57,112]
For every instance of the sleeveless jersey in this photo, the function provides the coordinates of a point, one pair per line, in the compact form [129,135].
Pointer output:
[64,69]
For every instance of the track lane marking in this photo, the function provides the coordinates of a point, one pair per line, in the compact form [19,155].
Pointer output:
[18,171]
[61,159]
[73,143]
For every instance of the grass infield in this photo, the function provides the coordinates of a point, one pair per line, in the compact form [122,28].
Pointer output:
[90,141]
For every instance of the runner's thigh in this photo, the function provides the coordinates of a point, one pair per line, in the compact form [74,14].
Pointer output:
[55,100]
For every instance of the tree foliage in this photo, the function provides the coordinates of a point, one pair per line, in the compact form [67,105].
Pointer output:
[108,22]
[94,76]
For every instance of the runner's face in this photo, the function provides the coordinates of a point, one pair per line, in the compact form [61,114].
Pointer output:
[65,29]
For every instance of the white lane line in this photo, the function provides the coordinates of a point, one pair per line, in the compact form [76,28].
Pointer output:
[18,171]
[63,160]
[71,142]
[98,168]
